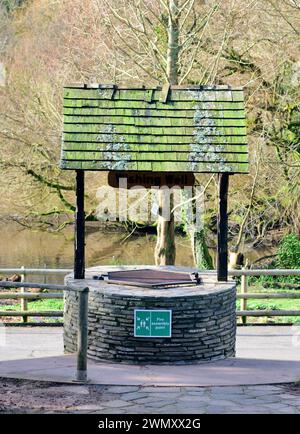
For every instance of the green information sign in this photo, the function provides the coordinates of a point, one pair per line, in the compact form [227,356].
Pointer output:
[152,323]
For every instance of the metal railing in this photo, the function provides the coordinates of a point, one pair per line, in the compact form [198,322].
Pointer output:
[244,295]
[82,332]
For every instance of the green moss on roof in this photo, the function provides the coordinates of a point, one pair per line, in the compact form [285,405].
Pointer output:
[198,129]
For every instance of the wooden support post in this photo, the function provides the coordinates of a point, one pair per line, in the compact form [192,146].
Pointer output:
[79,252]
[222,253]
[24,302]
[244,289]
[82,336]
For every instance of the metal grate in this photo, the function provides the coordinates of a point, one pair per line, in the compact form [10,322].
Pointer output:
[151,278]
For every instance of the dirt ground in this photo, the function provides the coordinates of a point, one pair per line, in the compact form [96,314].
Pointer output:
[23,396]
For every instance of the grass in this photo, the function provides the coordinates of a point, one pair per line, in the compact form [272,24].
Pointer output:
[286,304]
[272,304]
[39,305]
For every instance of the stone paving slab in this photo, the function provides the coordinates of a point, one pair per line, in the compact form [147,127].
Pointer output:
[21,396]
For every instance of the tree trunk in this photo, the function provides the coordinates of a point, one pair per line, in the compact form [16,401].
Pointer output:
[202,257]
[236,258]
[165,250]
[173,42]
[165,246]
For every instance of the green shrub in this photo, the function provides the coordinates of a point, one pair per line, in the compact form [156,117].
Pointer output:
[288,255]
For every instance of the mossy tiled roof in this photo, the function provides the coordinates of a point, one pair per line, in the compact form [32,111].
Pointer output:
[180,129]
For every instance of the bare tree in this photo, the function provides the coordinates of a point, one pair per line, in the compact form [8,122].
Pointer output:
[162,39]
[165,246]
[46,44]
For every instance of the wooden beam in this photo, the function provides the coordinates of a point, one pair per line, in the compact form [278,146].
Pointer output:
[46,313]
[33,295]
[79,248]
[268,296]
[8,284]
[267,312]
[222,251]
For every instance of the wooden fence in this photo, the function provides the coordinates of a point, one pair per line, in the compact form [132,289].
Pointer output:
[25,296]
[244,295]
[82,331]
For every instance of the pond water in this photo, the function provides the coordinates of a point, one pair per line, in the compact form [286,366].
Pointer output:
[37,249]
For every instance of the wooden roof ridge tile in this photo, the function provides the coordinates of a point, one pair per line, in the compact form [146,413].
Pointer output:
[147,88]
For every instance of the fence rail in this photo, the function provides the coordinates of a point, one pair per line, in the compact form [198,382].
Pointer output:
[82,331]
[263,272]
[242,272]
[41,313]
[36,271]
[30,295]
[243,295]
[25,296]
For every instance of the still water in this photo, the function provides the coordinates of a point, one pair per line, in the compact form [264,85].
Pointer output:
[36,249]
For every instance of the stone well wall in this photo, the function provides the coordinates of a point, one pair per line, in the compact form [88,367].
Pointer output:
[203,322]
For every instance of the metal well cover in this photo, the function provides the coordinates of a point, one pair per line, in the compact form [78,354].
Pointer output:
[151,277]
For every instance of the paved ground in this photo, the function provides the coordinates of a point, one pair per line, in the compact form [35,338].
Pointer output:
[259,342]
[262,353]
[19,396]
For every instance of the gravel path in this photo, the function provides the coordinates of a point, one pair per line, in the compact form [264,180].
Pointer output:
[21,396]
